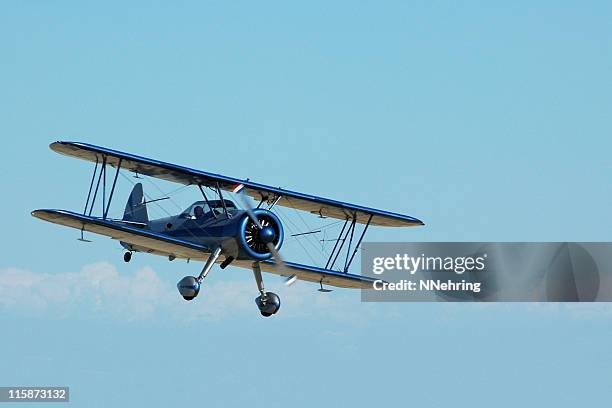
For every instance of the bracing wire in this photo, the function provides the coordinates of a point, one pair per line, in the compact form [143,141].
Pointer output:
[168,214]
[310,239]
[316,246]
[289,221]
[292,225]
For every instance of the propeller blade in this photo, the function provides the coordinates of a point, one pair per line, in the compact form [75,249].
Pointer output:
[291,280]
[275,254]
[247,205]
[279,260]
[239,191]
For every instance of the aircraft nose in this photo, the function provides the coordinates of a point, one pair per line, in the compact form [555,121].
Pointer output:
[267,234]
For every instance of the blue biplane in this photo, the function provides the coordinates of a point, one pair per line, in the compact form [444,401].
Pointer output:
[215,229]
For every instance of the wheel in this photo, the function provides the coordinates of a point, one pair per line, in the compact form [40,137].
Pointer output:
[127,257]
[271,304]
[188,287]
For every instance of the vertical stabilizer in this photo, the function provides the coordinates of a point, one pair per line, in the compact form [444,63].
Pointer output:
[136,208]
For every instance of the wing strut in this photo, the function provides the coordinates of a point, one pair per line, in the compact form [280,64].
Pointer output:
[348,249]
[206,199]
[110,197]
[341,240]
[222,200]
[351,228]
[93,178]
[357,245]
[90,202]
[93,200]
[336,244]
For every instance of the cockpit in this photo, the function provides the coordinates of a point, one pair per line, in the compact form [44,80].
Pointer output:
[202,210]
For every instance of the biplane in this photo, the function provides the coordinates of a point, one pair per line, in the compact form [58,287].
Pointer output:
[217,230]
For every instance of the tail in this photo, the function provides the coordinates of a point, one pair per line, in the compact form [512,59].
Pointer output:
[136,207]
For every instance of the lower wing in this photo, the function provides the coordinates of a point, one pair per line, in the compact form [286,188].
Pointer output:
[161,244]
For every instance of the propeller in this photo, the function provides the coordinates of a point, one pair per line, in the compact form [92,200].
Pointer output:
[246,204]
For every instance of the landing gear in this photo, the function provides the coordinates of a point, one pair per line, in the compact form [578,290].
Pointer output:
[127,257]
[189,286]
[268,302]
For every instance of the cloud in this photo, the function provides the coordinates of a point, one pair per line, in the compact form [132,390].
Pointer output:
[99,290]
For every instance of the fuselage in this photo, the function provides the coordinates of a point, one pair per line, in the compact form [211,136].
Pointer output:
[210,231]
[216,226]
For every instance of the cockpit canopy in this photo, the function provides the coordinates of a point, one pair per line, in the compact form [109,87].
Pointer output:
[202,209]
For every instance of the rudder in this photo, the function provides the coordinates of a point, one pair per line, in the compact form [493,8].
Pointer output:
[136,208]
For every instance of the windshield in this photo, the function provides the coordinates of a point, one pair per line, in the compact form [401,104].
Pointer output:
[201,209]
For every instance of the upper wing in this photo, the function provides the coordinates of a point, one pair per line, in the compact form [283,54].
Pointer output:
[165,245]
[317,205]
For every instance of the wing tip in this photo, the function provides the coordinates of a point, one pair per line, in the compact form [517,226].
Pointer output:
[44,214]
[58,146]
[61,146]
[413,222]
[37,213]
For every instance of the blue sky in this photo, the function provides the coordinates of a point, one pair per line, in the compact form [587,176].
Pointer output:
[489,121]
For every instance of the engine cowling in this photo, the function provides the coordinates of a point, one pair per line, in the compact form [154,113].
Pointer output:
[254,241]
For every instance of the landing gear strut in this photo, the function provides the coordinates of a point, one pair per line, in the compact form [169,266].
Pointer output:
[267,302]
[189,286]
